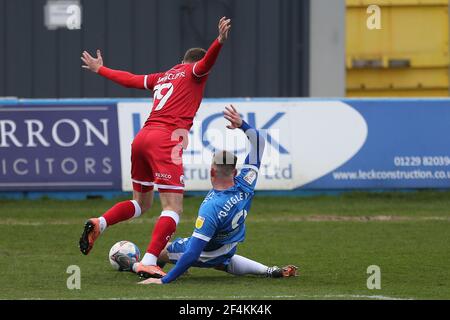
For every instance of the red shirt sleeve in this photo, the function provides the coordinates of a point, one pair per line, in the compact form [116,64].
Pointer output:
[203,67]
[150,80]
[128,79]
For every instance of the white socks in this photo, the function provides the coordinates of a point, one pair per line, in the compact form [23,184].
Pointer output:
[241,266]
[149,259]
[103,224]
[171,214]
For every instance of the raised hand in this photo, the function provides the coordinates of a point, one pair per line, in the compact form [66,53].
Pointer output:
[224,29]
[233,116]
[92,63]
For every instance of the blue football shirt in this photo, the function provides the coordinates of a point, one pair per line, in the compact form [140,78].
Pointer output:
[221,217]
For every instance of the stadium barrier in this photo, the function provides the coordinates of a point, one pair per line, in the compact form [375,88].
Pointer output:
[312,144]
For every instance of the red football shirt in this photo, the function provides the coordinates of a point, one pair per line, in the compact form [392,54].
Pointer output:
[177,93]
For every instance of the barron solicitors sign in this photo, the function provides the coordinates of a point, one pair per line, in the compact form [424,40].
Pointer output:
[59,147]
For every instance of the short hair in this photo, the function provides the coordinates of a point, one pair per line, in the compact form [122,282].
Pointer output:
[225,163]
[194,55]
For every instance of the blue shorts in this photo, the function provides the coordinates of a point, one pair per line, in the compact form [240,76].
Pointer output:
[208,259]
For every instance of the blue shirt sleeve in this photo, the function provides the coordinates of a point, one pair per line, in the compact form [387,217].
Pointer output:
[249,172]
[189,257]
[257,145]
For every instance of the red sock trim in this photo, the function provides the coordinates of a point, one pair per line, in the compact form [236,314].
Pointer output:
[120,212]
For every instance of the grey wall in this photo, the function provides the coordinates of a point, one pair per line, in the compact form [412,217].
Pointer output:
[327,48]
[267,54]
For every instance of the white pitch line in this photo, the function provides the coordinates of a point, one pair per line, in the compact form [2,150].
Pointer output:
[320,297]
[357,296]
[296,297]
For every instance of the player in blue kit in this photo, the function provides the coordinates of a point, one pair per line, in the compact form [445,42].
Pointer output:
[220,225]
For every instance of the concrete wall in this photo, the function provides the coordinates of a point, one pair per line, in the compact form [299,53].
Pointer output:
[327,48]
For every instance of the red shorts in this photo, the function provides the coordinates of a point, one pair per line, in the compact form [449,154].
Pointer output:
[156,161]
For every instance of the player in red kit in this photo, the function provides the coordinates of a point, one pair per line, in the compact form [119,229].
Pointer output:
[156,151]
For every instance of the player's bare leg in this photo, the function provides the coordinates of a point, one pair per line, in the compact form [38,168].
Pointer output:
[172,201]
[144,199]
[172,204]
[163,258]
[122,211]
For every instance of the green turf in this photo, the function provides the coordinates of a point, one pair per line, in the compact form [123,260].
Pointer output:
[333,239]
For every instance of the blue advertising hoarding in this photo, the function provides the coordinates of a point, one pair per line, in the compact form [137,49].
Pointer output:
[314,144]
[59,147]
[407,146]
[320,144]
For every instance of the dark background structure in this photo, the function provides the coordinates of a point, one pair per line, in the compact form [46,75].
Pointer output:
[266,56]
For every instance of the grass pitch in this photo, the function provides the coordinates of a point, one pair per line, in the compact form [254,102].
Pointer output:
[333,239]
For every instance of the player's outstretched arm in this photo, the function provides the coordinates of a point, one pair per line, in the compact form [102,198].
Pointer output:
[203,67]
[189,257]
[257,141]
[123,78]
